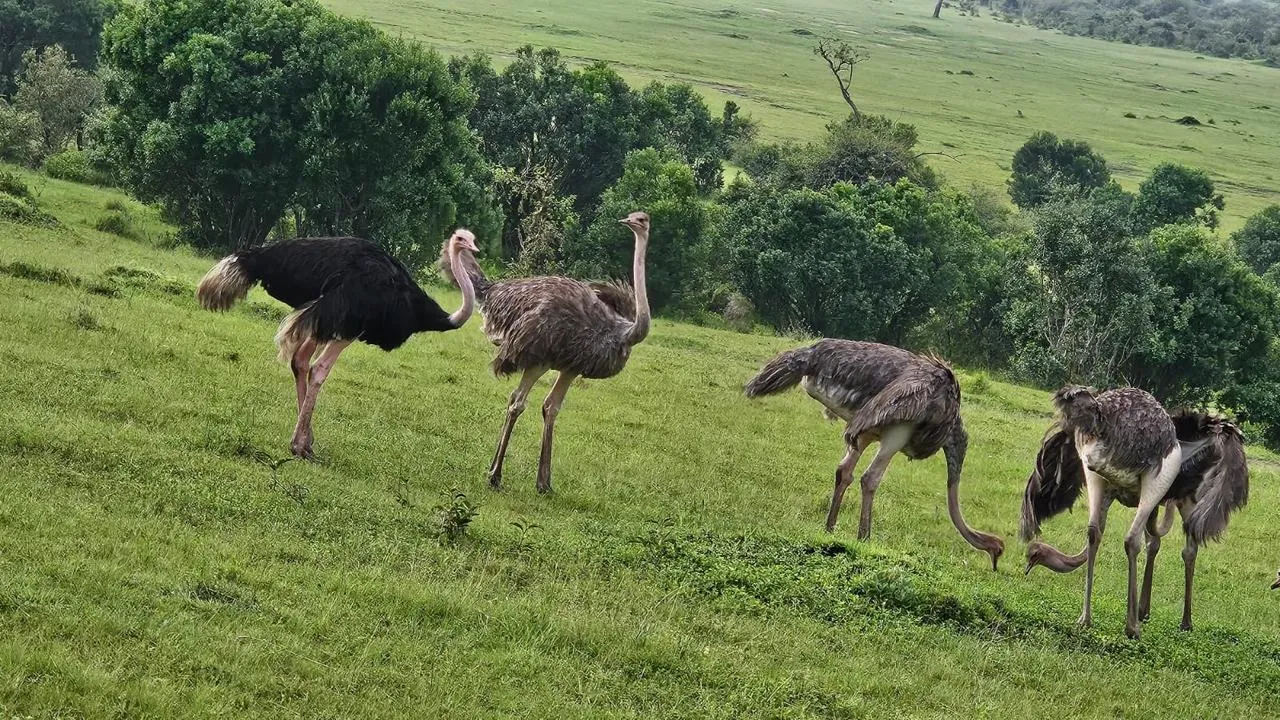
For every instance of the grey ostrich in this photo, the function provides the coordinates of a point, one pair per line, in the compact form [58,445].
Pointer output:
[1212,481]
[907,402]
[579,329]
[1128,451]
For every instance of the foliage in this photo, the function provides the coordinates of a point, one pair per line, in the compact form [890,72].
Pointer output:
[75,166]
[58,93]
[1045,165]
[858,149]
[19,133]
[1213,318]
[868,263]
[1215,27]
[679,259]
[27,25]
[1176,194]
[454,517]
[263,106]
[564,135]
[1082,308]
[118,223]
[11,184]
[1259,240]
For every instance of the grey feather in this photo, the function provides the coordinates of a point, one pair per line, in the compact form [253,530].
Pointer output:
[1054,484]
[1216,476]
[1132,425]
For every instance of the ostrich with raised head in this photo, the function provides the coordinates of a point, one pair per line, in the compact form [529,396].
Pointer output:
[1212,481]
[342,289]
[576,328]
[908,403]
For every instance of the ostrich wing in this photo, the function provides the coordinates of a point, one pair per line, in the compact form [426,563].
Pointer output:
[1222,483]
[1054,483]
[617,295]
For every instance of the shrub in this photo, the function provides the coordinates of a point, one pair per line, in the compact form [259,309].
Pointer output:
[454,517]
[118,223]
[19,134]
[19,210]
[11,184]
[74,166]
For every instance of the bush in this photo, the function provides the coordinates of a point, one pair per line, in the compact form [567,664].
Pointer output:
[24,211]
[1259,240]
[11,184]
[118,223]
[19,134]
[74,166]
[1045,165]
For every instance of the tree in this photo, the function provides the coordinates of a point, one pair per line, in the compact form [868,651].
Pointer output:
[1083,307]
[58,93]
[869,147]
[841,58]
[1213,316]
[232,112]
[1259,240]
[36,24]
[1045,165]
[678,260]
[1176,194]
[20,134]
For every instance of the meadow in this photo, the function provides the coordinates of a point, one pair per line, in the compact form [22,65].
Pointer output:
[158,560]
[976,87]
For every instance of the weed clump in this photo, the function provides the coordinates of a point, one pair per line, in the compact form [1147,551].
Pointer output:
[119,223]
[454,517]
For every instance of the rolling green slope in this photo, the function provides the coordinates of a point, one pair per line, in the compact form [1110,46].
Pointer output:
[153,563]
[977,88]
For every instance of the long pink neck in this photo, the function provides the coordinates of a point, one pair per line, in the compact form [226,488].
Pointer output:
[463,314]
[640,328]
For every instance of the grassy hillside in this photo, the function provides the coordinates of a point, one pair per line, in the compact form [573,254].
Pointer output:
[975,87]
[153,564]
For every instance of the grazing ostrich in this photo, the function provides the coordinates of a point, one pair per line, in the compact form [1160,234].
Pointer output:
[1212,482]
[342,289]
[909,403]
[1118,445]
[578,329]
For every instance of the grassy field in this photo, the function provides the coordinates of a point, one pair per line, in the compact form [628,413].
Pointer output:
[153,563]
[976,88]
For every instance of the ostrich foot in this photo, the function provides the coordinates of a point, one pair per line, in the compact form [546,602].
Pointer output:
[1185,626]
[495,480]
[301,449]
[1133,632]
[544,485]
[1085,621]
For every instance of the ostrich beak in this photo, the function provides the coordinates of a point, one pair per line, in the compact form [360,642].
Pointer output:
[470,244]
[1030,564]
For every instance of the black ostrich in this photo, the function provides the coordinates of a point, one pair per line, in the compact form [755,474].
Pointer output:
[342,289]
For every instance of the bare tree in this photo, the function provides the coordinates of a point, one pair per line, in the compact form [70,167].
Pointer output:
[841,57]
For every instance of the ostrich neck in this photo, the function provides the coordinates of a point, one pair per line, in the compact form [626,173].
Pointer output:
[640,328]
[459,318]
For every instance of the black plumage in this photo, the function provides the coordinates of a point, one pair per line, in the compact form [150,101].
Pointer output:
[342,290]
[345,288]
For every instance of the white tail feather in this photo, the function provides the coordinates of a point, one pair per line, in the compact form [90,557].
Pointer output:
[224,285]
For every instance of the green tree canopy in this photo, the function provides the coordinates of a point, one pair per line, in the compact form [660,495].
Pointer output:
[59,94]
[1259,240]
[1176,194]
[231,113]
[1045,165]
[36,24]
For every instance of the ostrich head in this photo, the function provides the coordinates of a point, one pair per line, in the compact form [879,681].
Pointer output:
[1078,407]
[1276,585]
[463,239]
[637,221]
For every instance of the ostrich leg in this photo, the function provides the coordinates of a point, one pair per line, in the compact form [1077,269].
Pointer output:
[1154,485]
[301,365]
[550,409]
[1155,532]
[519,397]
[844,477]
[892,440]
[1189,564]
[301,445]
[1099,503]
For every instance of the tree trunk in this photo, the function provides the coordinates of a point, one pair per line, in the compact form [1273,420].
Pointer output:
[937,9]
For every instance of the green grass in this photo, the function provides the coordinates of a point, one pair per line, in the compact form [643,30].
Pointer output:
[1023,80]
[155,562]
